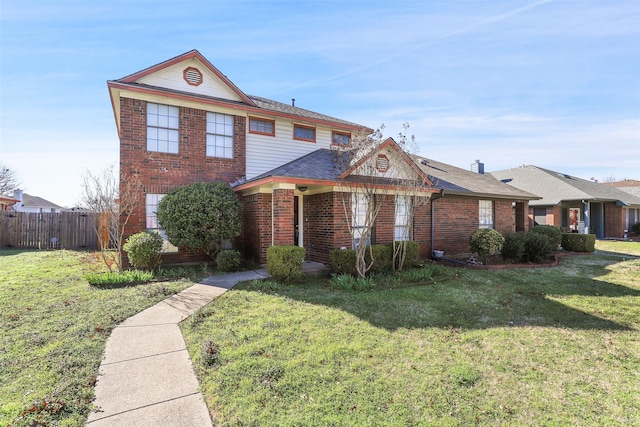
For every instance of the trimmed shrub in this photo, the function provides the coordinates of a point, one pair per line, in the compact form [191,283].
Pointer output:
[513,247]
[343,261]
[413,251]
[537,247]
[485,242]
[381,258]
[113,278]
[636,228]
[284,263]
[553,233]
[201,216]
[143,250]
[228,260]
[579,242]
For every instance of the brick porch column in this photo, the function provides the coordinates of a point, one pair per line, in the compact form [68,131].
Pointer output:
[283,211]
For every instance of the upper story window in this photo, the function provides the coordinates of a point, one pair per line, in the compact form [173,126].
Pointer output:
[162,128]
[340,138]
[486,213]
[219,135]
[262,126]
[304,133]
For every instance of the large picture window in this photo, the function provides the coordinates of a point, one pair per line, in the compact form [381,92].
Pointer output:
[219,135]
[151,206]
[162,128]
[486,213]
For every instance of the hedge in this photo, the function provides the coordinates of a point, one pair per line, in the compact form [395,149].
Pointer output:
[578,242]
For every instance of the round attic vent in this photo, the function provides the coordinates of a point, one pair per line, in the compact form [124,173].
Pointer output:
[192,76]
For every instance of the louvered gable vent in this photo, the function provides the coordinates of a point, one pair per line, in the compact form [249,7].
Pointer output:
[192,76]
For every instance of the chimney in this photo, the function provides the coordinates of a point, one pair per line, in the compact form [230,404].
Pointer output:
[293,102]
[18,195]
[477,167]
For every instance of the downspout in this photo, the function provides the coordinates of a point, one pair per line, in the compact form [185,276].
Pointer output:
[433,198]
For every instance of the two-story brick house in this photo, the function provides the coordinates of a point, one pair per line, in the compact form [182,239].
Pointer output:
[182,121]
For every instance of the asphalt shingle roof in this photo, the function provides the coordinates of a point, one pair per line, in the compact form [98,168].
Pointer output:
[555,187]
[322,165]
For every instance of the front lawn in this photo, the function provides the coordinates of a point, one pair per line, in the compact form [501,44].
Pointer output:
[53,330]
[557,346]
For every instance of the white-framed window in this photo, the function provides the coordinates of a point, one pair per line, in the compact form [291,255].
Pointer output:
[262,126]
[403,218]
[359,208]
[340,138]
[162,128]
[486,213]
[151,206]
[304,133]
[219,135]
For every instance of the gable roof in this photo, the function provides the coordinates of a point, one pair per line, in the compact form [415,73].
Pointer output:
[556,187]
[29,201]
[142,83]
[458,181]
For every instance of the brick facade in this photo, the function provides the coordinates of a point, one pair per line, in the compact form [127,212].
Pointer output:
[283,221]
[614,220]
[162,172]
[256,226]
[326,226]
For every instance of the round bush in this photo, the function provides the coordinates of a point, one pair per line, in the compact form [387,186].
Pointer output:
[513,247]
[537,247]
[228,260]
[553,233]
[485,242]
[636,228]
[143,250]
[284,263]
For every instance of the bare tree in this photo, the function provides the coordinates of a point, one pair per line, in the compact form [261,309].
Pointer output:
[364,177]
[8,180]
[112,203]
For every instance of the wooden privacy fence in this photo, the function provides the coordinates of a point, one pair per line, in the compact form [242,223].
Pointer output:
[67,230]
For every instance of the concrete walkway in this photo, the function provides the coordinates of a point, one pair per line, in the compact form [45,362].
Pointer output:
[146,377]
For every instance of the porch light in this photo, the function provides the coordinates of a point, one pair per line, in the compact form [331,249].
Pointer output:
[302,189]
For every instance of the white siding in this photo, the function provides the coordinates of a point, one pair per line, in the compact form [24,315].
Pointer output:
[267,152]
[172,78]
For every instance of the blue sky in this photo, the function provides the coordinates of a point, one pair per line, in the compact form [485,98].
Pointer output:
[550,83]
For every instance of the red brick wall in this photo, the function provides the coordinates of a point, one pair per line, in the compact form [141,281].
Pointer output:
[614,220]
[455,219]
[422,227]
[256,226]
[326,226]
[386,219]
[503,216]
[283,224]
[162,172]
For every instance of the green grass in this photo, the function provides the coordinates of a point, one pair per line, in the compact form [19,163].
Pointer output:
[53,330]
[620,247]
[557,346]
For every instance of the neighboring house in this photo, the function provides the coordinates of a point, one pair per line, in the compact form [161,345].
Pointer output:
[631,186]
[35,204]
[574,204]
[183,121]
[6,202]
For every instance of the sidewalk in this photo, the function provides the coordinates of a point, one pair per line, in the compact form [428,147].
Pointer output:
[146,377]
